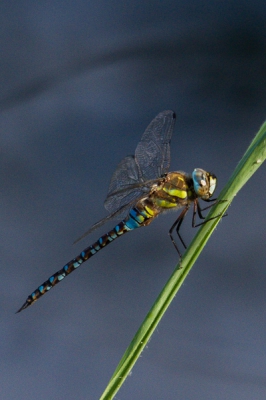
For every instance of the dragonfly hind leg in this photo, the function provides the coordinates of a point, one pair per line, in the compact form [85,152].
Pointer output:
[177,224]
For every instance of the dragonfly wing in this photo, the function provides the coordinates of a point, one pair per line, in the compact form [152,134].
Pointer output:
[151,161]
[152,154]
[121,213]
[124,186]
[135,175]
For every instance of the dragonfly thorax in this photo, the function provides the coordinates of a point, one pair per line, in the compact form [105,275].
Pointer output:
[175,190]
[204,183]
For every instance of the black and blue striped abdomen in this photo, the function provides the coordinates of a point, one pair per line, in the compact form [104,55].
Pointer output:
[135,219]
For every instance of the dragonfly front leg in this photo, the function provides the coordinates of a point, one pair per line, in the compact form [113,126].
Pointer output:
[177,224]
[198,209]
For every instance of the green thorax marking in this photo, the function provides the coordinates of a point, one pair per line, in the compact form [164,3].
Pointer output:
[176,190]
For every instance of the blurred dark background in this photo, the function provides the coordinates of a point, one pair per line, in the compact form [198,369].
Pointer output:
[80,81]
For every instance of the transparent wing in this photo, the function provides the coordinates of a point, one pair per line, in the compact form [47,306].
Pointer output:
[151,161]
[135,175]
[152,154]
[122,212]
[124,185]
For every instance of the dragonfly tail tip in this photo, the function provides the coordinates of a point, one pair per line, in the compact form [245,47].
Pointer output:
[25,305]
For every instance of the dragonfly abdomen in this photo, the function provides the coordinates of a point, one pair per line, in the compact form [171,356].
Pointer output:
[135,219]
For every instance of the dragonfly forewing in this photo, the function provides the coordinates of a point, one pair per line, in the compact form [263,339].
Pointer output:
[153,151]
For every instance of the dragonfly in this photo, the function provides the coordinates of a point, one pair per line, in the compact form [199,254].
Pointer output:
[140,190]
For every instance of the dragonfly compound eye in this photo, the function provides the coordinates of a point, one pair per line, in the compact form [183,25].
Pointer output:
[204,183]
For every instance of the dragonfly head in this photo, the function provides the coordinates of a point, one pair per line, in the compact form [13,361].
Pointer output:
[204,183]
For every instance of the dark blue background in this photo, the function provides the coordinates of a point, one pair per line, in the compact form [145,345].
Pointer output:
[80,81]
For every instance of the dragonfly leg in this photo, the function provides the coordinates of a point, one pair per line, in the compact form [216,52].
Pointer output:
[214,201]
[198,209]
[177,224]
